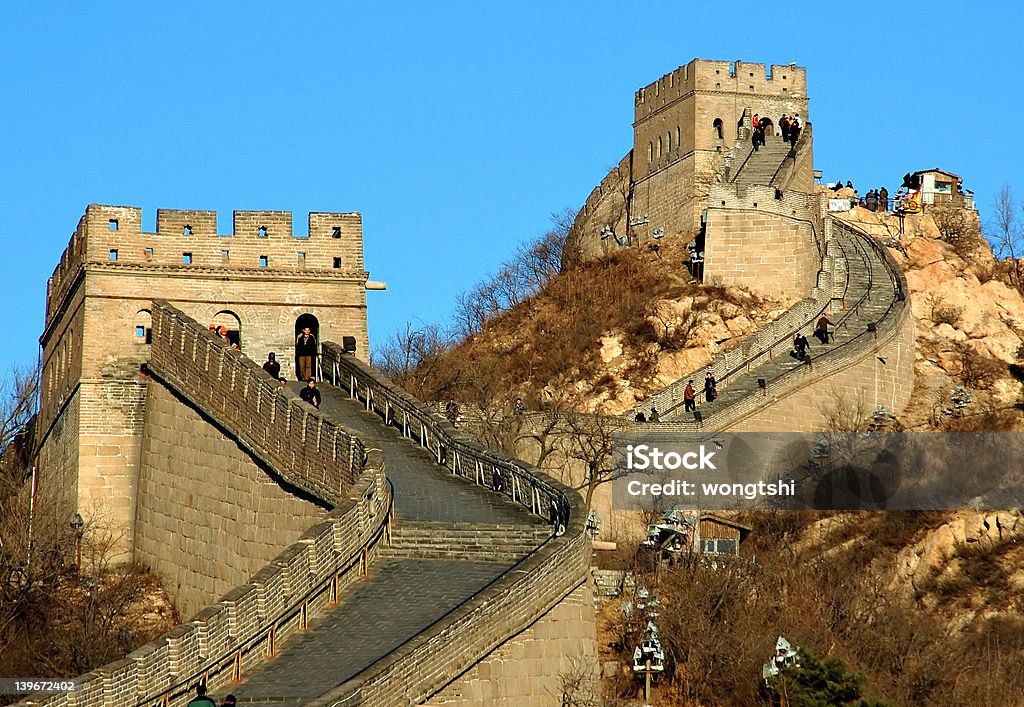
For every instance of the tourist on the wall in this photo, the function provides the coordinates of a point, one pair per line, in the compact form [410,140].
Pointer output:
[821,329]
[800,346]
[758,137]
[689,397]
[640,417]
[201,700]
[784,127]
[883,199]
[305,350]
[272,366]
[794,129]
[710,387]
[654,417]
[311,394]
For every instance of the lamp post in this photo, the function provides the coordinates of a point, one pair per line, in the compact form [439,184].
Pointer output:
[77,524]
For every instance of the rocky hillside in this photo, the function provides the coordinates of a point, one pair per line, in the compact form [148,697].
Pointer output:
[969,320]
[598,338]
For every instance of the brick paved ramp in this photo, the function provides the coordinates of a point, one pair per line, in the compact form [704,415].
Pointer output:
[400,598]
[403,595]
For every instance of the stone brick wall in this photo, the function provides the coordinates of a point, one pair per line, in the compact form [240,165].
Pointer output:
[528,669]
[866,382]
[756,240]
[209,515]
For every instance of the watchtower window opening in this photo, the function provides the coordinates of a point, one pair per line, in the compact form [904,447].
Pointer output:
[337,263]
[225,256]
[186,258]
[677,137]
[650,152]
[732,69]
[149,253]
[262,232]
[143,327]
[112,223]
[302,259]
[717,127]
[659,147]
[113,254]
[187,231]
[263,261]
[336,232]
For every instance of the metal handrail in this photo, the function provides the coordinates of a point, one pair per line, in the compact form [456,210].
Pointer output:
[464,458]
[898,295]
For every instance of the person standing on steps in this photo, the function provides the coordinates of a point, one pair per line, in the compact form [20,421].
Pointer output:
[800,346]
[310,394]
[689,397]
[821,329]
[654,416]
[794,129]
[710,387]
[305,351]
[784,127]
[883,199]
[272,366]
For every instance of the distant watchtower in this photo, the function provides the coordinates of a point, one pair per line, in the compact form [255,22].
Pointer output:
[685,124]
[261,283]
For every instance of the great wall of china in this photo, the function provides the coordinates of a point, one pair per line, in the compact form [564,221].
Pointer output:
[290,535]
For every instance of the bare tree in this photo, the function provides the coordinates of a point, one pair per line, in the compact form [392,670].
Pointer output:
[410,357]
[589,441]
[1008,231]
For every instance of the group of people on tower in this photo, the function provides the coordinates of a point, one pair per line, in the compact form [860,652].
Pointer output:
[789,129]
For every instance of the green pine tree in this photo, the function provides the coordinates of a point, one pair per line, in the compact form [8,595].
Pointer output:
[819,683]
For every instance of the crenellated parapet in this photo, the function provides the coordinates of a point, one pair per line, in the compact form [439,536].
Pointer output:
[259,242]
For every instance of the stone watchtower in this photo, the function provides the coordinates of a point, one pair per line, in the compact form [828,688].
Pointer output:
[261,282]
[685,124]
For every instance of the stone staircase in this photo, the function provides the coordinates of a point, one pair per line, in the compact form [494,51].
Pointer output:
[869,296]
[451,540]
[464,541]
[760,167]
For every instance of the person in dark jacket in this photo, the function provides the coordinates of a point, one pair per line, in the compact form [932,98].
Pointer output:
[305,351]
[272,366]
[710,387]
[311,394]
[201,700]
[800,346]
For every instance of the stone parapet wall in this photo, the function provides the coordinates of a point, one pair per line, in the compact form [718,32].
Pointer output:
[208,515]
[528,670]
[305,448]
[250,622]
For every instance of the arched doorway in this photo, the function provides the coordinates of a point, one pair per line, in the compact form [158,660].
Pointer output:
[307,346]
[228,322]
[769,126]
[717,128]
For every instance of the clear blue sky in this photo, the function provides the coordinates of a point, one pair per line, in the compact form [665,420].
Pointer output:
[454,127]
